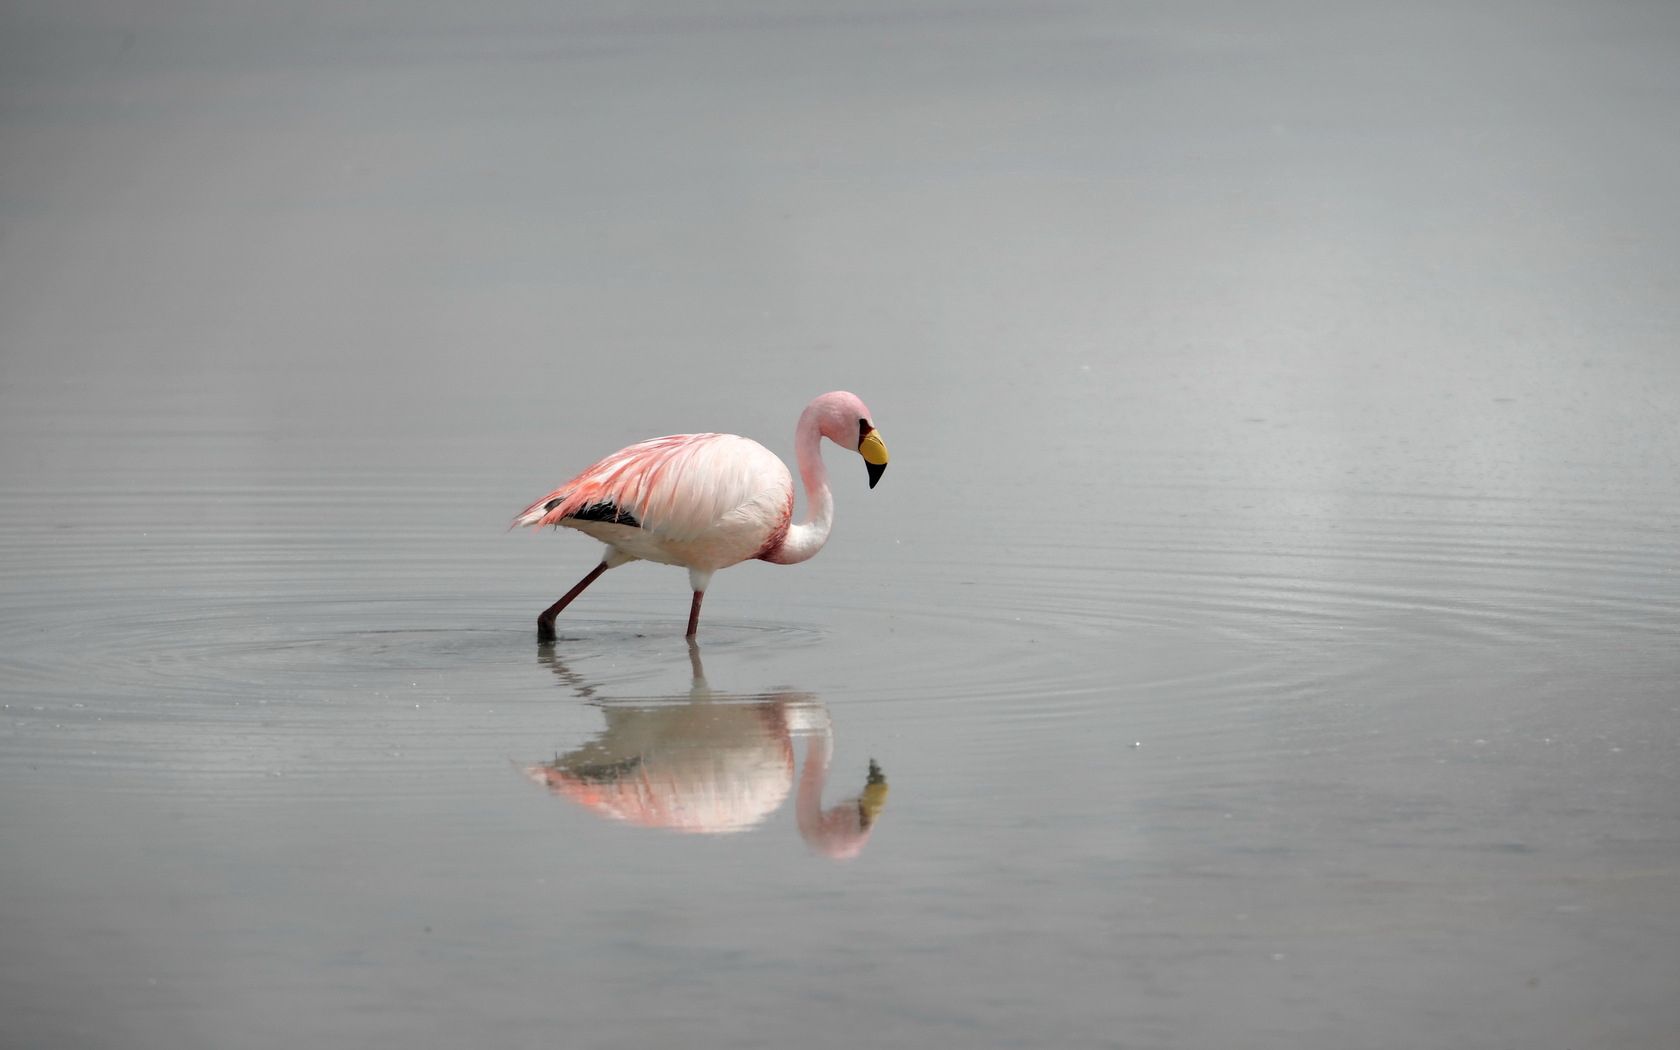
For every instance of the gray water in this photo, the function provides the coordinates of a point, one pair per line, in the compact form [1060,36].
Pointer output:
[1265,632]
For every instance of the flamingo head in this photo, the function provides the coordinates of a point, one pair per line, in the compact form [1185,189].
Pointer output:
[845,420]
[841,831]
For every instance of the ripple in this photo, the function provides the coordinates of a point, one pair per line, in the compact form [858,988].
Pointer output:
[215,633]
[261,698]
[1196,633]
[197,647]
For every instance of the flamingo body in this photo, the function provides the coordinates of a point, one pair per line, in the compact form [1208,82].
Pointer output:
[707,501]
[702,501]
[714,763]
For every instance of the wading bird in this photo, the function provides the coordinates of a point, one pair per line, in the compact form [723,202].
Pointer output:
[707,501]
[712,762]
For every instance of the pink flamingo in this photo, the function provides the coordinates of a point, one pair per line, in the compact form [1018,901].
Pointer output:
[707,501]
[714,763]
[715,768]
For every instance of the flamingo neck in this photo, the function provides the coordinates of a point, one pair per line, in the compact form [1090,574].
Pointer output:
[807,803]
[807,538]
[839,831]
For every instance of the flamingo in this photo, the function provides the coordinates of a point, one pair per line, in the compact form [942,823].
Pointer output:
[707,501]
[713,763]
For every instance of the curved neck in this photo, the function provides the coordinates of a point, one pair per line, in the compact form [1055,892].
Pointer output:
[839,831]
[807,538]
[807,803]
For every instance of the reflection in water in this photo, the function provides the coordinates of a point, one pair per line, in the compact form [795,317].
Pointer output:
[711,762]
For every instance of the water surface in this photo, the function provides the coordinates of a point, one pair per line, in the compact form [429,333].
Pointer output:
[1265,633]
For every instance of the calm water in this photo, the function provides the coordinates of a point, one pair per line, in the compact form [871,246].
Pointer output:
[1265,634]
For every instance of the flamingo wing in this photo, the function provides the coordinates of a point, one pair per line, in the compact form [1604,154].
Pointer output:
[678,487]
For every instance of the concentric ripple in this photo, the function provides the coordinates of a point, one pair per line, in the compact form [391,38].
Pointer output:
[1154,632]
[291,647]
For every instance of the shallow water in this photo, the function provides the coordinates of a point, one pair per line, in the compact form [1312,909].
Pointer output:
[1265,632]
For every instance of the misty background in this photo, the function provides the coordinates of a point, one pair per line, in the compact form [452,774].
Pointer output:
[1267,623]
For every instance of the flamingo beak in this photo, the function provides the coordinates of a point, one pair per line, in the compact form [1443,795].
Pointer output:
[874,797]
[874,453]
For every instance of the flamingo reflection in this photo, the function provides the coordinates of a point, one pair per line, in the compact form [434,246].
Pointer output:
[713,763]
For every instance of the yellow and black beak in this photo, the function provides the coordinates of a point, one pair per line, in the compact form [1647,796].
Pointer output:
[874,796]
[874,453]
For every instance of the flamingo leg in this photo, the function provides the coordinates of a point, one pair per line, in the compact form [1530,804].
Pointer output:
[545,622]
[694,665]
[694,615]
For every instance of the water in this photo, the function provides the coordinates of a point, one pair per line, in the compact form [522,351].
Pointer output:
[1265,631]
